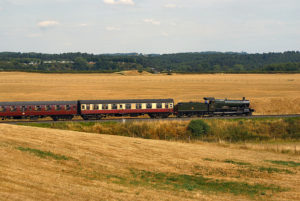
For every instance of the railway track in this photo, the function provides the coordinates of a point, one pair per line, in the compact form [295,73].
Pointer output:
[149,119]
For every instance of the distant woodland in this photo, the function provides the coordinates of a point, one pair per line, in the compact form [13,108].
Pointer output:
[203,62]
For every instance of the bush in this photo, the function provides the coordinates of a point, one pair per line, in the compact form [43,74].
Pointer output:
[198,128]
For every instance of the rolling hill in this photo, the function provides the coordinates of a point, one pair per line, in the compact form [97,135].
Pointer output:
[49,164]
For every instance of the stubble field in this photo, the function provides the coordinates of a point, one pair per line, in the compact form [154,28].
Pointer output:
[49,164]
[269,94]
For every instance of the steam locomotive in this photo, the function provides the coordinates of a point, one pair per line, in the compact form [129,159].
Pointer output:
[98,109]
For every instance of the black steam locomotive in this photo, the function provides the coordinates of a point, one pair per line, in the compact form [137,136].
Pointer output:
[213,107]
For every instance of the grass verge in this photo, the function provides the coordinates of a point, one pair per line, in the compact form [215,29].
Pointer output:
[230,130]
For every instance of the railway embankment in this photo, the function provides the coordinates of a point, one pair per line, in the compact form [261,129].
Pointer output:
[211,130]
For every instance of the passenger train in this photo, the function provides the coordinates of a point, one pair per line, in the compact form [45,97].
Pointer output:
[98,109]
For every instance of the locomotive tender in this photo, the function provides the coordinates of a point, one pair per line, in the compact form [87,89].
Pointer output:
[97,109]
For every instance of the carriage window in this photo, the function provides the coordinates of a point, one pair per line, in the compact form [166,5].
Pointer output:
[149,105]
[121,106]
[82,107]
[13,108]
[24,108]
[158,105]
[68,107]
[88,107]
[48,107]
[37,108]
[105,106]
[74,107]
[171,105]
[57,107]
[96,107]
[167,105]
[114,106]
[138,106]
[2,109]
[128,106]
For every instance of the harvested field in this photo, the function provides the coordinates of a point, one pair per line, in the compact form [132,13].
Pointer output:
[49,164]
[269,93]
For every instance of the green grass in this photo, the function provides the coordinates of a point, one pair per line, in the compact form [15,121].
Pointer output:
[209,159]
[235,162]
[43,154]
[286,163]
[272,170]
[172,181]
[184,182]
[248,167]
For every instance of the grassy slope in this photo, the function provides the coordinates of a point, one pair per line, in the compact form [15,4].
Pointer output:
[48,164]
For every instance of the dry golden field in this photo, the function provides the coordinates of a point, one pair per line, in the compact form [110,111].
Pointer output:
[269,93]
[103,167]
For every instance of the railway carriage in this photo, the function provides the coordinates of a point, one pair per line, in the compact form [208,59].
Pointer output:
[38,109]
[97,109]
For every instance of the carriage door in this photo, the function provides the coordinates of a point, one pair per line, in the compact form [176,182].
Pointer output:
[23,109]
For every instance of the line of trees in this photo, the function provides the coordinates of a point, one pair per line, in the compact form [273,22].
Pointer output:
[203,62]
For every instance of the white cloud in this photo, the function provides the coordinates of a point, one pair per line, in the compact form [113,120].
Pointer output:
[171,6]
[165,34]
[111,28]
[83,25]
[115,2]
[152,21]
[48,23]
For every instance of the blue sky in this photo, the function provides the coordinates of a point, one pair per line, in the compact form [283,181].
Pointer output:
[149,26]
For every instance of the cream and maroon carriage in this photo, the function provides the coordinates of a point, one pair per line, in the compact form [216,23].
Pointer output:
[97,109]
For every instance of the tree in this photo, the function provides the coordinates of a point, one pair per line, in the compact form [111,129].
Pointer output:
[80,63]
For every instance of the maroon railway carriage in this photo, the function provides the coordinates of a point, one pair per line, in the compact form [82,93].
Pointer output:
[38,109]
[97,109]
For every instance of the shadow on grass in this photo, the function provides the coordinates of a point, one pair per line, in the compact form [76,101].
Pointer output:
[286,163]
[43,154]
[177,182]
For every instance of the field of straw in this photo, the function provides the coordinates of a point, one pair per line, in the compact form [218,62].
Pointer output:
[49,164]
[269,94]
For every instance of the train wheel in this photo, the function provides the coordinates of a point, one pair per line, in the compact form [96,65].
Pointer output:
[152,116]
[34,118]
[85,117]
[165,115]
[55,118]
[69,117]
